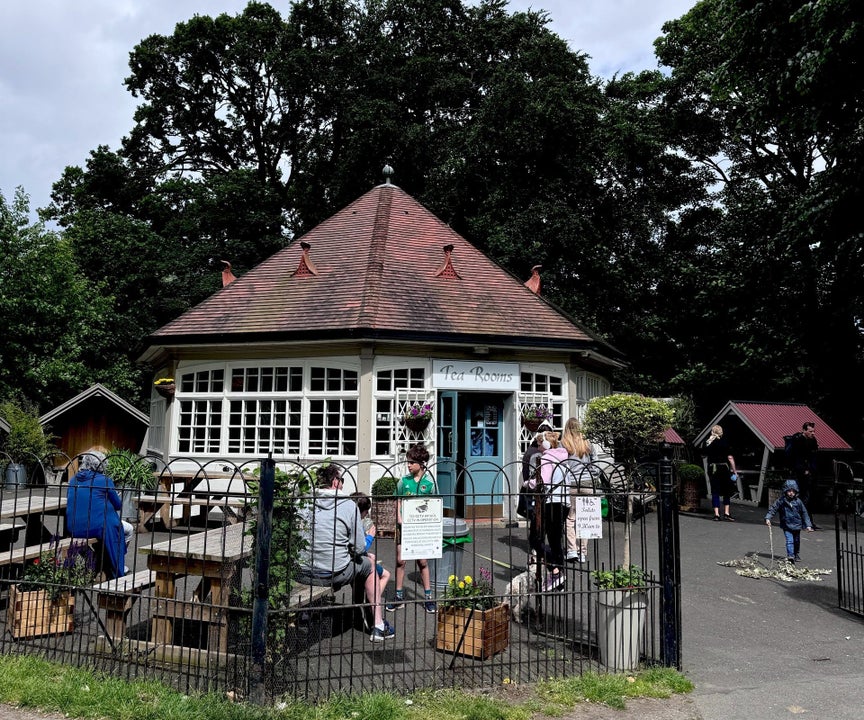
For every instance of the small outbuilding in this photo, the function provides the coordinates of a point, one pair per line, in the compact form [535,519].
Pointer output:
[96,416]
[756,432]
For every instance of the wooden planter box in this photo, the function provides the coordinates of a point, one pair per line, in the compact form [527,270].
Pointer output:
[32,613]
[384,515]
[487,633]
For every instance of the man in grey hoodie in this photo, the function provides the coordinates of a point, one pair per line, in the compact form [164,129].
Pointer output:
[335,547]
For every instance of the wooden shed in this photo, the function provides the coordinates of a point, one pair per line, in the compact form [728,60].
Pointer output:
[96,416]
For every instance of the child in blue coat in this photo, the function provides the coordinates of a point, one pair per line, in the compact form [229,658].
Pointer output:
[793,517]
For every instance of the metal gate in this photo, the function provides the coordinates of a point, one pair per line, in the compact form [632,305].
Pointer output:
[849,529]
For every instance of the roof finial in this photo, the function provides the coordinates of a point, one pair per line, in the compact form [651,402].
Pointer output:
[533,283]
[388,173]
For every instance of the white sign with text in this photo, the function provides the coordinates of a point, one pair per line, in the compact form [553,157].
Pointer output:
[422,528]
[474,375]
[589,518]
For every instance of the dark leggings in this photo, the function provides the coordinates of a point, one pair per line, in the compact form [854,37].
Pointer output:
[554,515]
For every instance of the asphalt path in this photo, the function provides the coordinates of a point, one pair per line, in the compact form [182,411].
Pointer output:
[763,648]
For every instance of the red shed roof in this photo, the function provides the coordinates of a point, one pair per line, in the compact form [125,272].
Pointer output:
[378,275]
[672,437]
[770,421]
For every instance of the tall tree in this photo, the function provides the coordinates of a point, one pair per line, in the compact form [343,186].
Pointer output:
[52,316]
[755,96]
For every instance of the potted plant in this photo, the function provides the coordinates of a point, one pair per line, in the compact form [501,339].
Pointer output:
[533,415]
[384,504]
[417,416]
[691,479]
[165,386]
[27,442]
[629,425]
[472,621]
[132,475]
[43,601]
[622,606]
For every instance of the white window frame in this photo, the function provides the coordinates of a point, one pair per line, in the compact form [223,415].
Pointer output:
[305,395]
[399,399]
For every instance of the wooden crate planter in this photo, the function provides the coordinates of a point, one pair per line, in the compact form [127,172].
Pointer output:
[384,515]
[487,633]
[32,613]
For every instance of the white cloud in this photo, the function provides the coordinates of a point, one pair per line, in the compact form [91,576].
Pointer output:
[62,66]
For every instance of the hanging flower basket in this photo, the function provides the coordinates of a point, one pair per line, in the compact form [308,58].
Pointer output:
[417,416]
[534,415]
[165,387]
[532,425]
[416,424]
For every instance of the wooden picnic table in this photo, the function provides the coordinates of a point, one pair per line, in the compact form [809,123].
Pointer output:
[31,505]
[188,490]
[216,557]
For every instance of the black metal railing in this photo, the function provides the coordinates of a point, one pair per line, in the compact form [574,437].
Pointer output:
[209,598]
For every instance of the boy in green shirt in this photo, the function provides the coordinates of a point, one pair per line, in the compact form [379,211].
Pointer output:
[415,483]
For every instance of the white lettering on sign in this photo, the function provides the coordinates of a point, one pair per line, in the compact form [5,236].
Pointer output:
[472,375]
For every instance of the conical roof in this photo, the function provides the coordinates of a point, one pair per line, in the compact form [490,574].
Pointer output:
[384,267]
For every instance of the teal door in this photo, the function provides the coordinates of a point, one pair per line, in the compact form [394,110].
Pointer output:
[483,423]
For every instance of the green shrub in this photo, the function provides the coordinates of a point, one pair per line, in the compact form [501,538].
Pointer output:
[384,486]
[27,441]
[690,473]
[129,470]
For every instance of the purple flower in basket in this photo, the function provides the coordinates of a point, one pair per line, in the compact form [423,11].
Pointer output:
[536,412]
[418,411]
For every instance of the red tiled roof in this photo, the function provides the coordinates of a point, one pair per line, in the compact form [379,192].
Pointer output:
[672,437]
[376,264]
[771,421]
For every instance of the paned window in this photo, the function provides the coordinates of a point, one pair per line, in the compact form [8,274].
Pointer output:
[259,426]
[332,427]
[387,382]
[200,426]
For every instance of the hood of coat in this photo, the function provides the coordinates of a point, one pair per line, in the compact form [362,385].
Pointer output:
[790,485]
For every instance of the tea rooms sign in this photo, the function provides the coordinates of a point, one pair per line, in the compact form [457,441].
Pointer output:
[474,375]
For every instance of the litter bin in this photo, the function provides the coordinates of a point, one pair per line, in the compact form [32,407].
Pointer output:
[455,535]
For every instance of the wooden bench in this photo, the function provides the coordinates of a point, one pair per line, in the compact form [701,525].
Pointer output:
[18,556]
[116,596]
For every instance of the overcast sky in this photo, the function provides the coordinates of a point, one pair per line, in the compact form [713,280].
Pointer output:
[62,64]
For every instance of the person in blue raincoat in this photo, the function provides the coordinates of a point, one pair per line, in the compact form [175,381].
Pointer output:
[93,511]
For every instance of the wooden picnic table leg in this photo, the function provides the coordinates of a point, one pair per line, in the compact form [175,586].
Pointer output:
[161,631]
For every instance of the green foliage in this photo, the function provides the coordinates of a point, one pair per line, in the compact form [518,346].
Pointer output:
[29,681]
[128,470]
[58,569]
[385,486]
[629,424]
[470,592]
[53,320]
[630,577]
[690,473]
[290,494]
[27,441]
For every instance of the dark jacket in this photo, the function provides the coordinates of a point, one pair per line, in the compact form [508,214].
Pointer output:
[792,513]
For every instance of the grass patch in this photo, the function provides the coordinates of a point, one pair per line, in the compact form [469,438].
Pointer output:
[78,693]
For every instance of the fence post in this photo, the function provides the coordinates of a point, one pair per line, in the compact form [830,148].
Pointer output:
[263,535]
[670,565]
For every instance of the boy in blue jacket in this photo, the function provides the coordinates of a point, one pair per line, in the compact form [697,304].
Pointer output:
[793,517]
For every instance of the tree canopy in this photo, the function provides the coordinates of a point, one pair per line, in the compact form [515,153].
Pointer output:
[702,218]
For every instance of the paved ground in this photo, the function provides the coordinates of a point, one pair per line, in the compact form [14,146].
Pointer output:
[756,649]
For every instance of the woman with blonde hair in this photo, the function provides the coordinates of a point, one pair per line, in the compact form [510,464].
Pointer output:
[721,472]
[556,500]
[580,474]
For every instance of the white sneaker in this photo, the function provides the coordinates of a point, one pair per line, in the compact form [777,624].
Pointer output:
[553,581]
[573,556]
[583,558]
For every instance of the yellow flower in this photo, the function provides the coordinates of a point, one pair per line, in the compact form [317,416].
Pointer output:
[461,585]
[451,579]
[468,580]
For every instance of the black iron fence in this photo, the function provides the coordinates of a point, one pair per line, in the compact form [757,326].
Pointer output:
[207,597]
[849,529]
